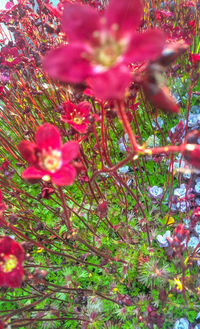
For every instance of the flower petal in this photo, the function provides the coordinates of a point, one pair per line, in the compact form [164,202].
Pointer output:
[145,46]
[14,278]
[28,151]
[124,14]
[84,108]
[69,151]
[80,22]
[117,78]
[18,251]
[2,280]
[32,174]
[68,108]
[48,136]
[5,245]
[82,128]
[64,176]
[68,64]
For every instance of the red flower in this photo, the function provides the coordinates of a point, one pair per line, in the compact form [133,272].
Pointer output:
[49,159]
[11,258]
[101,46]
[77,115]
[1,325]
[10,56]
[4,165]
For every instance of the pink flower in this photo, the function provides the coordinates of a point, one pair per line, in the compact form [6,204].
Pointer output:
[77,115]
[101,47]
[49,159]
[11,258]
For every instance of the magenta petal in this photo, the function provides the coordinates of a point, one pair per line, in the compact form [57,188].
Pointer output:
[117,78]
[14,278]
[80,22]
[17,251]
[70,151]
[5,245]
[126,14]
[48,136]
[2,281]
[145,46]
[68,108]
[68,64]
[64,176]
[82,128]
[28,151]
[32,173]
[84,107]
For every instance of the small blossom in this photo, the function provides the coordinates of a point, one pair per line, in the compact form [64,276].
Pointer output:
[179,285]
[77,115]
[11,258]
[49,159]
[10,56]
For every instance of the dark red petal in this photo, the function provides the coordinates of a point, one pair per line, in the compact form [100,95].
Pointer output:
[192,155]
[161,99]
[64,176]
[5,245]
[82,128]
[69,151]
[145,46]
[32,174]
[48,136]
[117,78]
[13,279]
[80,22]
[125,14]
[84,108]
[18,251]
[28,151]
[68,108]
[2,279]
[68,64]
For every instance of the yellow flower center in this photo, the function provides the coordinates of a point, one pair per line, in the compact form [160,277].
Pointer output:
[109,51]
[10,59]
[77,118]
[51,161]
[9,264]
